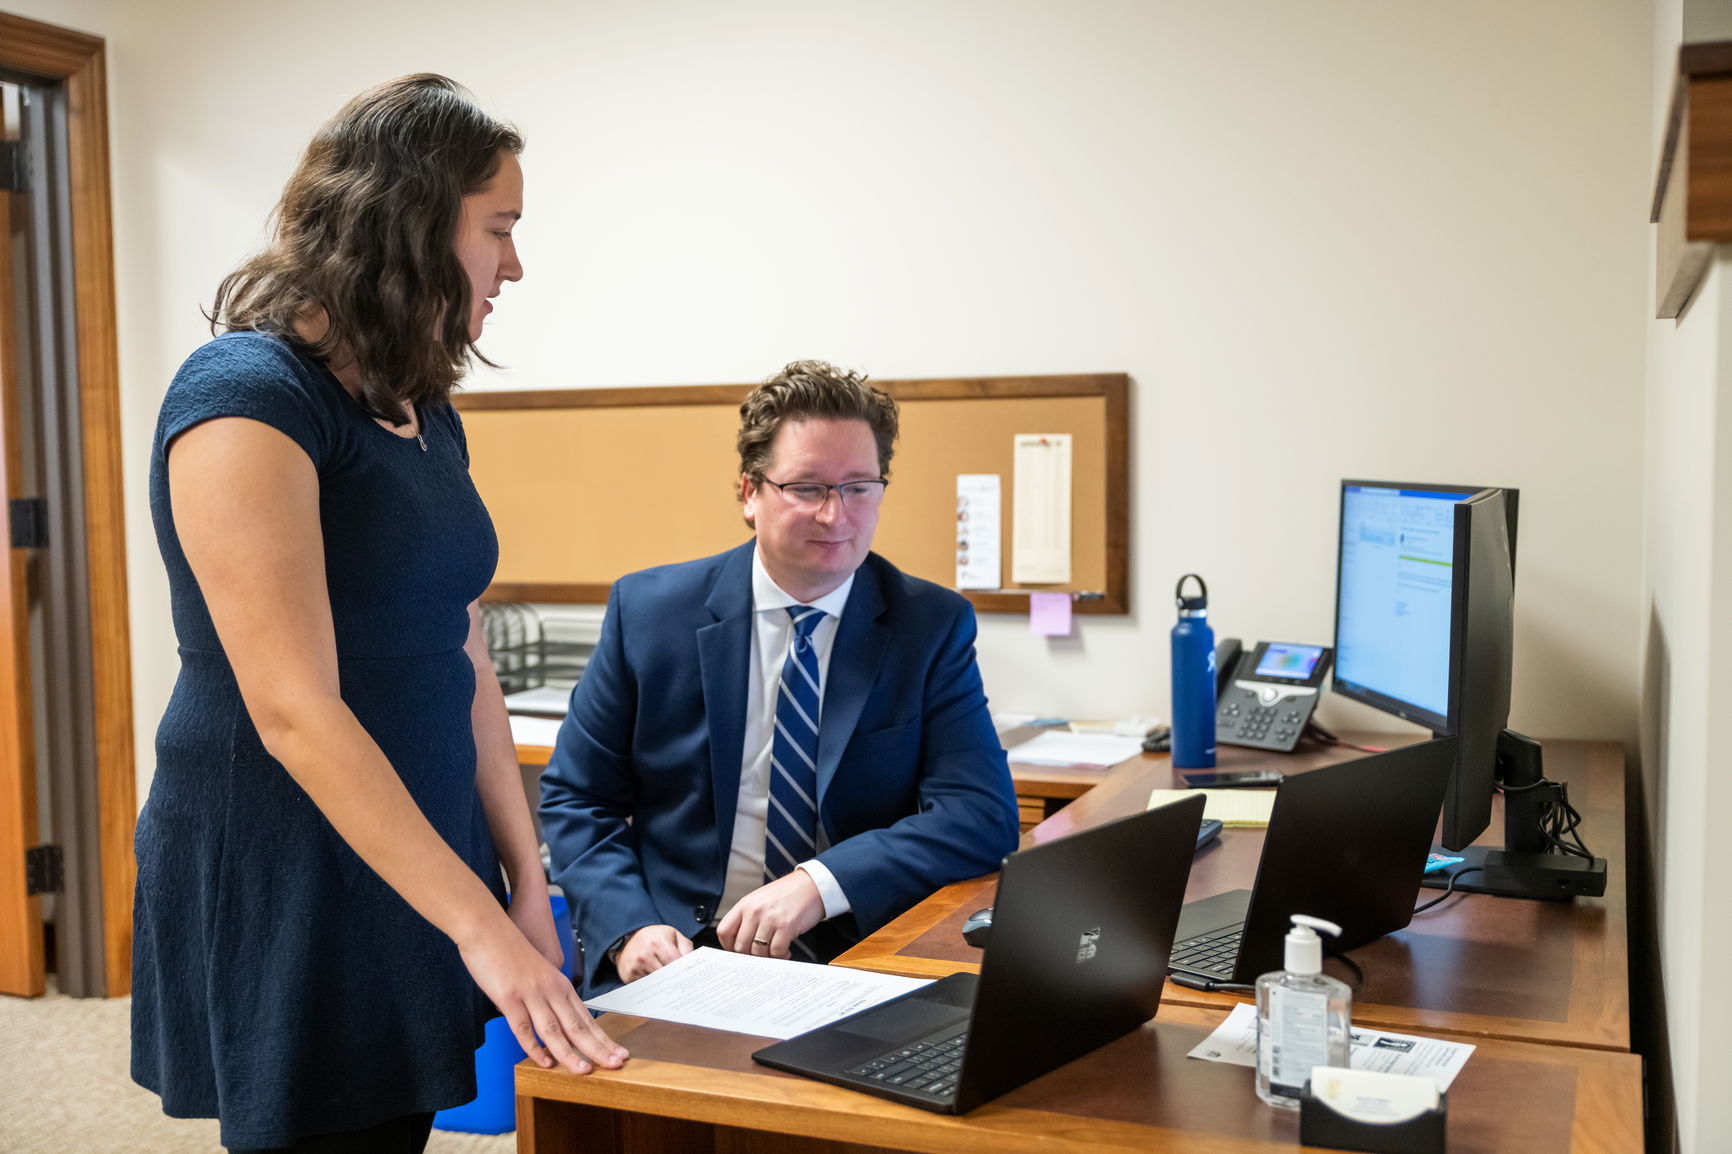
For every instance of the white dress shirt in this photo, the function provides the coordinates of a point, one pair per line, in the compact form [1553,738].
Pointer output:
[772,633]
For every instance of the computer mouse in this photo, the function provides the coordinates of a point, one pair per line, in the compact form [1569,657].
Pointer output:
[977,928]
[1159,740]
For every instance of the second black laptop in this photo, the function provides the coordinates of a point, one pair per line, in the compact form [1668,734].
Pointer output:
[1346,842]
[1082,928]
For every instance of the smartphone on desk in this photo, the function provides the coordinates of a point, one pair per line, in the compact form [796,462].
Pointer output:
[1231,779]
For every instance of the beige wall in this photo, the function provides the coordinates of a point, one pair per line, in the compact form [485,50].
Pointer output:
[1687,667]
[1326,240]
[1688,598]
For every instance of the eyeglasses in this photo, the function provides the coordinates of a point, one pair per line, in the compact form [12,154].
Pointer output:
[809,496]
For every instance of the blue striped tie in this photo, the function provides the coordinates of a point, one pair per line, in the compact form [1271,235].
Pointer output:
[791,824]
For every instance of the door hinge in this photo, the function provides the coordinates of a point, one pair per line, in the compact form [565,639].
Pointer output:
[44,870]
[14,166]
[29,523]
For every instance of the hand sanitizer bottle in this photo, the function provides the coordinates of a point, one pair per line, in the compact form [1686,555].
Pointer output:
[1302,1017]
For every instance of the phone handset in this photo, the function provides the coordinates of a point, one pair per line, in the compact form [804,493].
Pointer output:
[1227,652]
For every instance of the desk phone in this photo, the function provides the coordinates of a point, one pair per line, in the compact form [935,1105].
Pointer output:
[1266,701]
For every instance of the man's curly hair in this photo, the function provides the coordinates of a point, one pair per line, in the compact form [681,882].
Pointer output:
[812,391]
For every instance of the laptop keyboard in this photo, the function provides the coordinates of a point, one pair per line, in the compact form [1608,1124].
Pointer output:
[930,1066]
[1211,954]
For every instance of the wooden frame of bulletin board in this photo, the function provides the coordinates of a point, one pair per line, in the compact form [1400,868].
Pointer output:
[586,485]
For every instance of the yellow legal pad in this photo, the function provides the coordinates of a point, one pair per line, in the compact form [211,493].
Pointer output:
[1244,808]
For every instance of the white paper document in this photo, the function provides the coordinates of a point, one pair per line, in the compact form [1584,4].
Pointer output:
[751,995]
[1235,1041]
[1040,510]
[977,531]
[1096,750]
[540,700]
[534,730]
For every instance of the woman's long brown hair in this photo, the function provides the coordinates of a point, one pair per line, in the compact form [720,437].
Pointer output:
[364,235]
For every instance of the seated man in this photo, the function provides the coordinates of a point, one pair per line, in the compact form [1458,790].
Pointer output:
[787,742]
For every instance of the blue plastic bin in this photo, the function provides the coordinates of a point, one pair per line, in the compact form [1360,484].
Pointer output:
[494,1110]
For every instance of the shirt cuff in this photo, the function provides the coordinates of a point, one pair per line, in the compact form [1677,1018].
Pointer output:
[835,901]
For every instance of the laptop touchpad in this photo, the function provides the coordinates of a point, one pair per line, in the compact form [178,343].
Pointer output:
[907,1019]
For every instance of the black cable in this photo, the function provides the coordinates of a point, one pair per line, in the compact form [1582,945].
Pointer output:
[1210,985]
[1449,889]
[1318,733]
[1358,974]
[1559,822]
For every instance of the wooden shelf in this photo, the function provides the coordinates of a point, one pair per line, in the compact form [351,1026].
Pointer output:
[1693,186]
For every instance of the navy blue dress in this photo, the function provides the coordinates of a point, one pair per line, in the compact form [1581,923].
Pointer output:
[278,983]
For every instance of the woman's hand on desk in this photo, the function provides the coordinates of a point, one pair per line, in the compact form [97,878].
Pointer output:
[648,950]
[538,1000]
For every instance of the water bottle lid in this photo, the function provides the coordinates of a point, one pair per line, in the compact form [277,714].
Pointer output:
[1199,602]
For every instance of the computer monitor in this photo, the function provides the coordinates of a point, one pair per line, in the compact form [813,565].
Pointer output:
[1482,645]
[1397,606]
[1424,629]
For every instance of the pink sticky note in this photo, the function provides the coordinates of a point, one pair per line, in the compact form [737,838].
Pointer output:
[1049,614]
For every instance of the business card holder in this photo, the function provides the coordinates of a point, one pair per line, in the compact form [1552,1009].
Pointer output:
[1320,1124]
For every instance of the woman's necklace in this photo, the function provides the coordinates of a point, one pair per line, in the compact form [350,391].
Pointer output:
[420,425]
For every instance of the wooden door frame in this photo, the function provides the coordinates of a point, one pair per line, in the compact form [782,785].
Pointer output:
[21,955]
[77,60]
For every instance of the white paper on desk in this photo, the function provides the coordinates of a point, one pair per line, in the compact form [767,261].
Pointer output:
[1040,510]
[1235,1041]
[751,995]
[534,730]
[1056,747]
[540,700]
[978,533]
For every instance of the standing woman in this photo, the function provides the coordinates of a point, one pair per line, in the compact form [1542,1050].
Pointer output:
[320,921]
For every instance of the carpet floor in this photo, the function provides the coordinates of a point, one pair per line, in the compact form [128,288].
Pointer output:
[64,1088]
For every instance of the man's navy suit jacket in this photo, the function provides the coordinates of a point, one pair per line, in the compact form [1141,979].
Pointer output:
[638,800]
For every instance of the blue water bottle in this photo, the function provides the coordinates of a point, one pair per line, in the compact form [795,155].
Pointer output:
[1193,680]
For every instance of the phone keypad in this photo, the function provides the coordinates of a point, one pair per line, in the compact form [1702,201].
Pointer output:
[1242,720]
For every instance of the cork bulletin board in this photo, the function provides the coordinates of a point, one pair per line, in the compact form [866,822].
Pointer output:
[586,485]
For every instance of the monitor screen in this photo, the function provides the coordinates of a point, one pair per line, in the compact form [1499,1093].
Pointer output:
[1424,623]
[1394,598]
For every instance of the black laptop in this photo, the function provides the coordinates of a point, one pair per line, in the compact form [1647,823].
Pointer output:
[1346,842]
[1081,931]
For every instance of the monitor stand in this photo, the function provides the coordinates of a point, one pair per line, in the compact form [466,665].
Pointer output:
[1522,869]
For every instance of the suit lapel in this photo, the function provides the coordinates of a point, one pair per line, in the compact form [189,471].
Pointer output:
[724,657]
[861,642]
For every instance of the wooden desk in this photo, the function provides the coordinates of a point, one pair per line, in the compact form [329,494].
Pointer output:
[1551,972]
[687,1089]
[1540,987]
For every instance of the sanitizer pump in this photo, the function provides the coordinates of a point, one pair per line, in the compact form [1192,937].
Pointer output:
[1302,1017]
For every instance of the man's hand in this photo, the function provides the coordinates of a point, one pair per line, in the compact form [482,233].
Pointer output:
[767,920]
[649,949]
